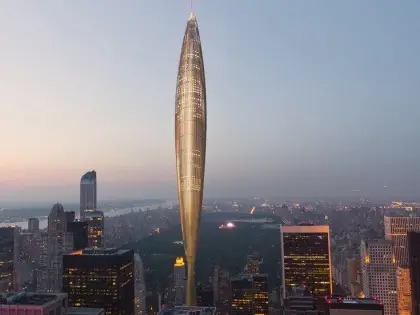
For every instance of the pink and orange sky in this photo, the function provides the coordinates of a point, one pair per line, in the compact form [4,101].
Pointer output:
[305,98]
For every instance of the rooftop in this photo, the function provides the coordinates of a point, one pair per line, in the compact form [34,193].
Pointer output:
[99,251]
[26,298]
[85,311]
[344,300]
[186,310]
[89,176]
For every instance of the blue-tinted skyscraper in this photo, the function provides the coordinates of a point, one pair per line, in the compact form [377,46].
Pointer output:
[88,196]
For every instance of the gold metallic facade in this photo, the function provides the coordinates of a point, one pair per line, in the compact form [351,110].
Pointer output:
[190,144]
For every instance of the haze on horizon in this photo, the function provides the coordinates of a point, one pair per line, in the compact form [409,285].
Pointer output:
[305,98]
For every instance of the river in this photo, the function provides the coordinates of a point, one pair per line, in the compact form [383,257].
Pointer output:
[43,223]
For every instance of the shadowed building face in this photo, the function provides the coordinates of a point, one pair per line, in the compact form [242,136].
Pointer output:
[190,144]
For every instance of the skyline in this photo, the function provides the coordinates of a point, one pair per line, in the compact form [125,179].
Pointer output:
[315,100]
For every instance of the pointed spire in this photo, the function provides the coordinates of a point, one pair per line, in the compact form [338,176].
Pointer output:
[191,16]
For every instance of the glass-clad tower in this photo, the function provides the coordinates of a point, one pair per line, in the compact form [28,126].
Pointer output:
[306,259]
[88,195]
[190,144]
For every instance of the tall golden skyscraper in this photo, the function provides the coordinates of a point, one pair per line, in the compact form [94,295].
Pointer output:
[190,144]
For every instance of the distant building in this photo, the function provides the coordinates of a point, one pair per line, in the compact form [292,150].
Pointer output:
[179,281]
[79,230]
[33,225]
[306,258]
[9,256]
[139,287]
[56,242]
[379,273]
[414,269]
[354,275]
[300,302]
[249,295]
[353,306]
[100,278]
[252,266]
[70,216]
[95,221]
[33,304]
[88,193]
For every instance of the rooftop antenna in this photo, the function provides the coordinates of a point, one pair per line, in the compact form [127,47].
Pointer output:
[191,5]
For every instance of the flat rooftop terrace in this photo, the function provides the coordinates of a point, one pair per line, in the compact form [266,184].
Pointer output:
[188,310]
[25,298]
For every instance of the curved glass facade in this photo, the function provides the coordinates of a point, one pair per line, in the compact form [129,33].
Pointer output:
[190,144]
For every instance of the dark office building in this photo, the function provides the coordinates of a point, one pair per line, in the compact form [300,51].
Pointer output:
[250,295]
[260,287]
[80,234]
[222,291]
[8,254]
[414,265]
[70,216]
[204,296]
[306,259]
[95,221]
[100,278]
[242,295]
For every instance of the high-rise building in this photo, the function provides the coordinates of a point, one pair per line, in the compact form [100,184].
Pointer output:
[58,242]
[95,221]
[9,255]
[100,278]
[139,287]
[260,300]
[179,281]
[221,291]
[404,291]
[88,194]
[242,295]
[249,295]
[396,229]
[79,230]
[33,225]
[379,273]
[414,268]
[306,258]
[190,144]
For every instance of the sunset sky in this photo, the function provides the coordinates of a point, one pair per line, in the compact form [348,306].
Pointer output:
[305,98]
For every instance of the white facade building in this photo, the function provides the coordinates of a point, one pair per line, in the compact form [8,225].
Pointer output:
[379,273]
